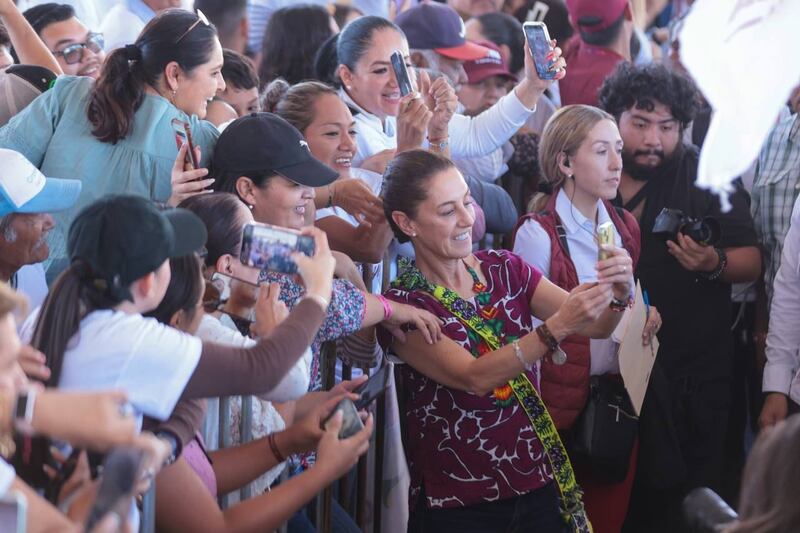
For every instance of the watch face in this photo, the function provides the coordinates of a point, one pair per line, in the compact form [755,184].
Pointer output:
[559,357]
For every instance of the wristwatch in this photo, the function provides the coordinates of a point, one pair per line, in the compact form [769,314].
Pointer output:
[557,355]
[23,411]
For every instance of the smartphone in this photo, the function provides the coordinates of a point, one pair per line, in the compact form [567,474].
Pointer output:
[183,135]
[351,420]
[121,472]
[605,235]
[401,72]
[539,42]
[13,508]
[268,247]
[373,387]
[234,297]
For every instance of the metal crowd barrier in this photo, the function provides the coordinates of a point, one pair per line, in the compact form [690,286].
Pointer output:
[356,483]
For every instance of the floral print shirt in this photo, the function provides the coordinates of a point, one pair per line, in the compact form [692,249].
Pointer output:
[465,449]
[345,313]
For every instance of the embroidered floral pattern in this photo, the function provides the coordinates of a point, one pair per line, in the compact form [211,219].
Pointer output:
[445,425]
[573,511]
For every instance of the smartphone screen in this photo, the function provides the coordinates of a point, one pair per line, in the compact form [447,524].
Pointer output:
[401,72]
[183,135]
[234,297]
[539,42]
[269,247]
[373,387]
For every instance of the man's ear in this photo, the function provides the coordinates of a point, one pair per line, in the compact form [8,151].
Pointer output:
[419,60]
[406,225]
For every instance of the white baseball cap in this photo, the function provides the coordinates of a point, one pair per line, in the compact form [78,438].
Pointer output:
[24,189]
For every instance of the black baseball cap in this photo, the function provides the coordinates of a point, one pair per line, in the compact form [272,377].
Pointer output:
[264,142]
[124,237]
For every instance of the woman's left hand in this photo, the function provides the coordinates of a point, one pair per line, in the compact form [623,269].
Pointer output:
[651,327]
[617,269]
[426,322]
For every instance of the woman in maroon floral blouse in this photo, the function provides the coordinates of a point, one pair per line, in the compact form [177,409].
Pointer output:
[482,450]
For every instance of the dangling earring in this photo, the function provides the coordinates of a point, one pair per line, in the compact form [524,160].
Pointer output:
[172,98]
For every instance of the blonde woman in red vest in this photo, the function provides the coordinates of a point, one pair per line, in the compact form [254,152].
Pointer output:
[580,155]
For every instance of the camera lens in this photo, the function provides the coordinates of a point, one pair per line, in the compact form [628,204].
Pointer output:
[706,231]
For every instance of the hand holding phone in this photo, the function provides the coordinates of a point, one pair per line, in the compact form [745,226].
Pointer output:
[183,136]
[538,39]
[121,473]
[401,73]
[368,392]
[270,247]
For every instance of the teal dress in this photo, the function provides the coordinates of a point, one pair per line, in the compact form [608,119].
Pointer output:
[54,133]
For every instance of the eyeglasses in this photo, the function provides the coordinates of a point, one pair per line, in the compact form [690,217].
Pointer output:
[74,53]
[200,18]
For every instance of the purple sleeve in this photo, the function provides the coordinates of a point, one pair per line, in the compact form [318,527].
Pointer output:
[529,276]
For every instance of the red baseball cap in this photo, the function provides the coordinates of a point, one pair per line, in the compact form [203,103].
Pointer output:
[435,26]
[491,65]
[591,16]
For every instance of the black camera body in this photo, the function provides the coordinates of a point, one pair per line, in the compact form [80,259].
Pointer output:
[671,221]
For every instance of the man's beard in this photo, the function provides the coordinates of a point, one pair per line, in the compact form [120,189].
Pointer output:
[639,172]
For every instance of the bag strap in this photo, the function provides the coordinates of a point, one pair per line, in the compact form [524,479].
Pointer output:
[572,508]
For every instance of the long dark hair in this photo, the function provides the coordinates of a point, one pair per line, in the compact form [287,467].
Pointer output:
[75,294]
[291,40]
[127,71]
[221,213]
[405,184]
[185,288]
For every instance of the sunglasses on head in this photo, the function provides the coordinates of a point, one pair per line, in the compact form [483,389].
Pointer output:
[200,18]
[73,53]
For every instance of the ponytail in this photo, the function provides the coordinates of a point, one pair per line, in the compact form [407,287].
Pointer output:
[128,71]
[75,294]
[117,95]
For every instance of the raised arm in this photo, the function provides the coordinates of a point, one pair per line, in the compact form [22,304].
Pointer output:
[29,47]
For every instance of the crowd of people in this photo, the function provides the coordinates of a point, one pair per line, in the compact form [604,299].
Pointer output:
[490,233]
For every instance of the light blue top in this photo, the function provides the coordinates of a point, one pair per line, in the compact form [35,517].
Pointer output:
[55,135]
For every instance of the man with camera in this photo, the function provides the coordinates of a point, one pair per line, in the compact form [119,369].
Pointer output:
[691,254]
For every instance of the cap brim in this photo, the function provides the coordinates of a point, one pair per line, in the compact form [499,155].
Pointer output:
[57,195]
[310,173]
[468,51]
[190,232]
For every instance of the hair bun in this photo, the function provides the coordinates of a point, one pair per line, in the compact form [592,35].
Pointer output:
[274,93]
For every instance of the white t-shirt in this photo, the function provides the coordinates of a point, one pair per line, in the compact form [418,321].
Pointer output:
[115,350]
[7,475]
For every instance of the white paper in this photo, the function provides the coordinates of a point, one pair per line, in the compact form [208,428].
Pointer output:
[743,56]
[635,359]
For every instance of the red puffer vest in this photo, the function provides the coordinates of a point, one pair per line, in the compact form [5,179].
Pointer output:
[565,388]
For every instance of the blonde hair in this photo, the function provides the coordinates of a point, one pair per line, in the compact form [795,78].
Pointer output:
[564,132]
